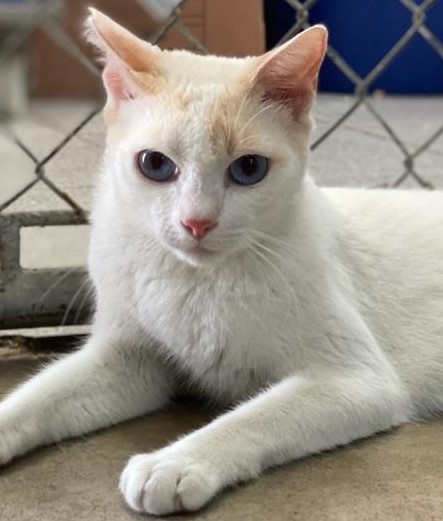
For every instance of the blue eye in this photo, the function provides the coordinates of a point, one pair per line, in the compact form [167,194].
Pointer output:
[156,166]
[248,170]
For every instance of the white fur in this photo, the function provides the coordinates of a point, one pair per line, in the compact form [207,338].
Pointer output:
[320,311]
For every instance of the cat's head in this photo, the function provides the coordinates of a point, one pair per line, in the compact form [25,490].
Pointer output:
[205,154]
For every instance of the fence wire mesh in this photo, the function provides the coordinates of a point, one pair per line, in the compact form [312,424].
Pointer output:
[31,296]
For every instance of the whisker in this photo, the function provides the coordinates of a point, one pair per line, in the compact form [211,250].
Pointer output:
[256,245]
[278,241]
[271,252]
[55,284]
[240,108]
[87,293]
[254,116]
[72,302]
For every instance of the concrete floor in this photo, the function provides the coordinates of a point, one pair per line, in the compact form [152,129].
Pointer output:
[392,477]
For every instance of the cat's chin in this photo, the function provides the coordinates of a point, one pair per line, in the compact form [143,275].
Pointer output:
[197,255]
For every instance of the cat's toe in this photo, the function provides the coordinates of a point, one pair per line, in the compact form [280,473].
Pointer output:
[196,487]
[133,479]
[161,484]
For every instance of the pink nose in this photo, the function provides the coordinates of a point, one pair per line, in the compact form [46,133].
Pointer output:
[198,227]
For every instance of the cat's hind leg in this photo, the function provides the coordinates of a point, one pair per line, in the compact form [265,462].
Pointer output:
[101,384]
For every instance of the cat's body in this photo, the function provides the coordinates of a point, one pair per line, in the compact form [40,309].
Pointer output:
[393,253]
[228,331]
[320,309]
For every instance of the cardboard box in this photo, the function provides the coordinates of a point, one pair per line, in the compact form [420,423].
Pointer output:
[224,27]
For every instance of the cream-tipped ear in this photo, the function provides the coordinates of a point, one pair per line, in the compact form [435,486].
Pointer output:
[129,62]
[289,73]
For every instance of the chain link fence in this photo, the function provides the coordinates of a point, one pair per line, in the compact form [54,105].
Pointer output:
[44,295]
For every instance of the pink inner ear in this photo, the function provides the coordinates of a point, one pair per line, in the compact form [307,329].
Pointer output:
[116,84]
[290,72]
[298,97]
[125,55]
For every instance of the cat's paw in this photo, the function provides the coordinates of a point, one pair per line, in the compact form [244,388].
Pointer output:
[165,482]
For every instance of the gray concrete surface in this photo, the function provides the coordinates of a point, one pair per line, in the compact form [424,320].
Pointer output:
[360,153]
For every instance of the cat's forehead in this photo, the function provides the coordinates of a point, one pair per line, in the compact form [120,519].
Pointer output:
[222,116]
[212,95]
[182,66]
[200,122]
[203,103]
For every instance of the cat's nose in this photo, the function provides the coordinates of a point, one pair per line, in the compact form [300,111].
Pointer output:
[198,228]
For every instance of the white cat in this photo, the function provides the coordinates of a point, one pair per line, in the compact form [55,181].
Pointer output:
[221,267]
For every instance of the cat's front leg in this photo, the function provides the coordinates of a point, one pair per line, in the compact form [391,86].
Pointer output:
[297,417]
[105,382]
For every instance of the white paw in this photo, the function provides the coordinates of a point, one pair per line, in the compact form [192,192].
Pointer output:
[165,482]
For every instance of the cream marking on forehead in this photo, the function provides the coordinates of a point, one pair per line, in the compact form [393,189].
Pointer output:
[231,120]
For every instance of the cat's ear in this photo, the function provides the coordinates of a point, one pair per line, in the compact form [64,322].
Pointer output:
[289,73]
[130,64]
